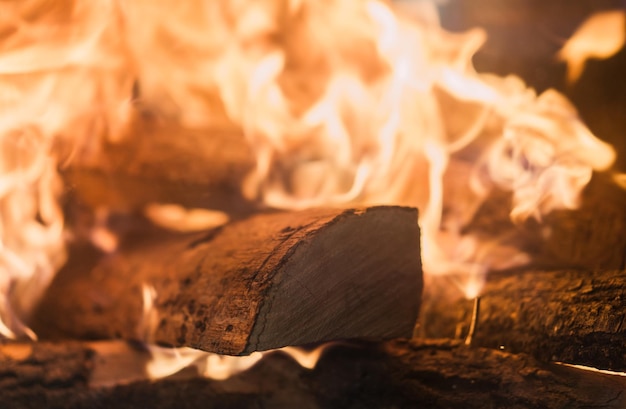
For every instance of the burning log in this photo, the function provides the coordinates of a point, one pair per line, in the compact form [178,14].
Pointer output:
[265,282]
[165,164]
[437,374]
[589,237]
[570,316]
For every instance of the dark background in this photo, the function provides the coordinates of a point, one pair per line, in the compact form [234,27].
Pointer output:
[524,37]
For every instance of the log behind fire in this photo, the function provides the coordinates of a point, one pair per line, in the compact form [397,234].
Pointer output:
[572,316]
[265,282]
[164,163]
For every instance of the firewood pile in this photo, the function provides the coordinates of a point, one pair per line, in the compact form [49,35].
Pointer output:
[345,285]
[270,279]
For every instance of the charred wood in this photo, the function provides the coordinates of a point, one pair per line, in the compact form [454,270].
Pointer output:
[572,316]
[264,282]
[436,374]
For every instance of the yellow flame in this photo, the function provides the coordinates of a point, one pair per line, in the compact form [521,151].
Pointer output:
[600,36]
[620,179]
[382,107]
[179,218]
[169,361]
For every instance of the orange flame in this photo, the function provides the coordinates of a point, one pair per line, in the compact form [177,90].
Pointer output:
[63,84]
[600,36]
[381,108]
[344,102]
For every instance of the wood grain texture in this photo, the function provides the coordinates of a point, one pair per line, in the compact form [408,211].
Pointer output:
[268,281]
[571,316]
[394,374]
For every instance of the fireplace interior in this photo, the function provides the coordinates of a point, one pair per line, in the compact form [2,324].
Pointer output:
[208,264]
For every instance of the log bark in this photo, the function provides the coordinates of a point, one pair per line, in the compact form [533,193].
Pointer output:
[265,282]
[434,374]
[572,316]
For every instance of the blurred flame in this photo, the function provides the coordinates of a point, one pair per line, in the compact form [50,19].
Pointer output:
[381,108]
[344,102]
[600,36]
[620,179]
[63,84]
[176,217]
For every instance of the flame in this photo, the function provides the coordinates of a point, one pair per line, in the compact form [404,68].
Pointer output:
[168,361]
[600,36]
[176,217]
[344,102]
[382,108]
[620,179]
[63,84]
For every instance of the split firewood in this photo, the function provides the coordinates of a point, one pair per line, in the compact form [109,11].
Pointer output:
[261,283]
[435,374]
[572,316]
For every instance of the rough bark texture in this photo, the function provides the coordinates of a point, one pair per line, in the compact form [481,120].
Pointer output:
[395,374]
[268,281]
[570,316]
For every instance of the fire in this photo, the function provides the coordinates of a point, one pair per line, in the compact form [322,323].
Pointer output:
[176,217]
[391,120]
[61,77]
[600,36]
[344,102]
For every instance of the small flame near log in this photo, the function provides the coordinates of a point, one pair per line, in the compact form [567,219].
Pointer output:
[344,102]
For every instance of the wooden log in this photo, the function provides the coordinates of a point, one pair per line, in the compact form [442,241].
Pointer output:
[268,281]
[164,163]
[590,237]
[435,374]
[571,316]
